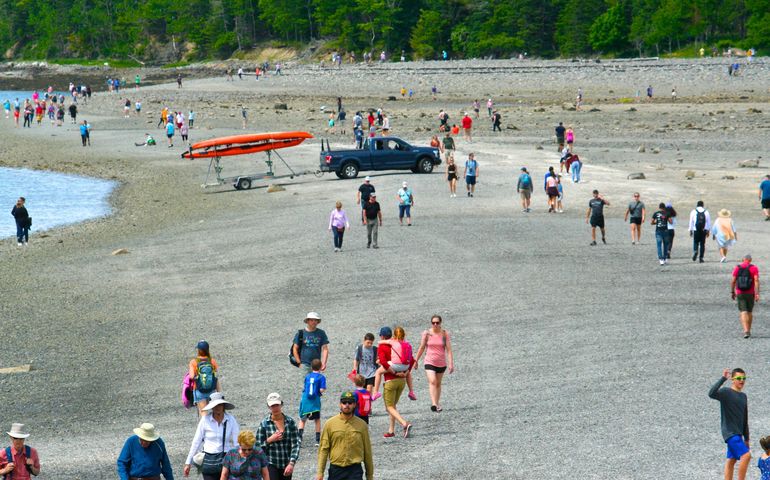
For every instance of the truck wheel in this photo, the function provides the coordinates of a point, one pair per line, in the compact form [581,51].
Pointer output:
[349,170]
[415,169]
[425,165]
[243,184]
[339,175]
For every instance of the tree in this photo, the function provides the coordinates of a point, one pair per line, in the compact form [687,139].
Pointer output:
[609,32]
[429,34]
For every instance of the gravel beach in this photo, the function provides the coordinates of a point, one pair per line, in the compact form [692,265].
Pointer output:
[572,361]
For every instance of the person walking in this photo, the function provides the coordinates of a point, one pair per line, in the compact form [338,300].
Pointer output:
[451,175]
[524,189]
[395,382]
[20,461]
[278,436]
[560,131]
[661,220]
[345,445]
[143,455]
[570,136]
[699,228]
[490,105]
[635,214]
[372,219]
[405,203]
[734,413]
[496,119]
[764,196]
[576,165]
[246,460]
[436,343]
[170,132]
[84,133]
[338,222]
[723,231]
[671,228]
[23,221]
[449,146]
[217,433]
[467,124]
[310,343]
[744,289]
[595,215]
[202,371]
[471,174]
[364,191]
[552,190]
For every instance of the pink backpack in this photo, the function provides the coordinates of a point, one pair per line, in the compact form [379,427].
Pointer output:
[187,391]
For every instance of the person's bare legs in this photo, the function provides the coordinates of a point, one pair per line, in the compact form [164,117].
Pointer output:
[395,417]
[378,379]
[432,386]
[409,381]
[729,467]
[633,233]
[200,405]
[744,465]
[593,234]
[638,233]
[604,235]
[437,387]
[746,319]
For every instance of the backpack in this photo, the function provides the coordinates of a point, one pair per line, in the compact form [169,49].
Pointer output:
[700,221]
[526,181]
[9,457]
[206,381]
[364,404]
[293,360]
[187,391]
[744,280]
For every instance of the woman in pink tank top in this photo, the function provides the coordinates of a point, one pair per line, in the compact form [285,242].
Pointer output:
[437,346]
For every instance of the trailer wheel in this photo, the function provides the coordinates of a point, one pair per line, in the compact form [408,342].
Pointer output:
[350,170]
[243,184]
[425,165]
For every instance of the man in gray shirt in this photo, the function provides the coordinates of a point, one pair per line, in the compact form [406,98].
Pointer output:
[637,213]
[735,421]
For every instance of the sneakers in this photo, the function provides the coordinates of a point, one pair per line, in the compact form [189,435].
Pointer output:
[593,244]
[336,249]
[662,262]
[723,260]
[633,242]
[468,193]
[407,427]
[388,434]
[604,240]
[376,395]
[368,245]
[700,261]
[18,244]
[412,396]
[694,256]
[375,246]
[433,408]
[747,335]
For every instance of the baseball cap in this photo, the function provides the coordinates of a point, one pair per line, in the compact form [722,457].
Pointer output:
[523,169]
[347,397]
[372,195]
[367,178]
[404,184]
[203,345]
[386,332]
[274,399]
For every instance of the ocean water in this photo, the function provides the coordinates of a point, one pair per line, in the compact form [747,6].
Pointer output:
[52,199]
[11,95]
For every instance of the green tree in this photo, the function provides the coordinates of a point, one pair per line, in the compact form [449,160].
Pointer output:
[609,32]
[429,34]
[574,24]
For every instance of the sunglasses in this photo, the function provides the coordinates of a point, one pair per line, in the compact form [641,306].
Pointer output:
[348,402]
[435,323]
[739,378]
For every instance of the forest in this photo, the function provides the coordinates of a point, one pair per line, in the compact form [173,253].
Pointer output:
[164,31]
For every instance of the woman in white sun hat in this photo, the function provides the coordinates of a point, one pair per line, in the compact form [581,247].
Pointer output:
[217,433]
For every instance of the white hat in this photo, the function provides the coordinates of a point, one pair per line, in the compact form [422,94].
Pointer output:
[274,399]
[367,178]
[404,184]
[312,316]
[218,398]
[17,431]
[146,431]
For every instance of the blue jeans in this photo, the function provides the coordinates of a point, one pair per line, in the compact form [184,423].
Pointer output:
[661,241]
[337,237]
[22,232]
[404,210]
[576,171]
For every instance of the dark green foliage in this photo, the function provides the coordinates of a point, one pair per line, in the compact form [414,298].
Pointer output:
[185,30]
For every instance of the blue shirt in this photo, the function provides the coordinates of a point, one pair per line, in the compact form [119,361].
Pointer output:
[470,166]
[312,343]
[169,128]
[406,196]
[83,130]
[137,461]
[764,468]
[765,187]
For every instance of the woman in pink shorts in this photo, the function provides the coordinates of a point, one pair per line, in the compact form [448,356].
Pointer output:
[437,346]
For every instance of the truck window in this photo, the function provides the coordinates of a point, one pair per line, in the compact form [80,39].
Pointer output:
[379,145]
[394,145]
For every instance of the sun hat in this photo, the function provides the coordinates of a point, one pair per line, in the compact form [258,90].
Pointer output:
[203,345]
[218,398]
[17,431]
[725,213]
[312,316]
[347,396]
[386,332]
[146,431]
[274,399]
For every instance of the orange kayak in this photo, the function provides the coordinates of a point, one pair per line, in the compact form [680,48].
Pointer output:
[245,144]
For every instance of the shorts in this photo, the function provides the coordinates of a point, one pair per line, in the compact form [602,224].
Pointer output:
[597,222]
[570,142]
[745,302]
[552,192]
[392,391]
[470,179]
[369,381]
[766,203]
[404,210]
[198,396]
[525,194]
[170,135]
[313,416]
[736,447]
[435,368]
[635,220]
[451,177]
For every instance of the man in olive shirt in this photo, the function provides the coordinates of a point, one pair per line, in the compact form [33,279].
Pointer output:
[345,443]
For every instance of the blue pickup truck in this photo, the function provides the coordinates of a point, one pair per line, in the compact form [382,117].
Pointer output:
[379,153]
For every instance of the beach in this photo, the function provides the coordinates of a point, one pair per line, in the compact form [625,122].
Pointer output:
[572,361]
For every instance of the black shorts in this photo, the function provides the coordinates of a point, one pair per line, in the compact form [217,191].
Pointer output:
[745,302]
[369,381]
[313,416]
[635,220]
[597,222]
[766,203]
[435,368]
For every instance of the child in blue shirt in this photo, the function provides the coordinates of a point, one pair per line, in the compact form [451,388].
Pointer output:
[310,405]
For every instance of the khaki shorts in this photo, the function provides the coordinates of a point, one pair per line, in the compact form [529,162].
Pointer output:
[525,194]
[392,391]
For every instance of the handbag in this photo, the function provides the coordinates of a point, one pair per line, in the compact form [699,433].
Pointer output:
[212,462]
[29,222]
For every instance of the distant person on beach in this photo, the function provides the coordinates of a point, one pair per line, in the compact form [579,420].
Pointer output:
[734,413]
[671,228]
[127,108]
[405,203]
[184,131]
[764,196]
[170,132]
[60,115]
[570,136]
[467,124]
[449,146]
[73,113]
[552,190]
[661,221]
[144,455]
[84,133]
[579,99]
[191,118]
[649,93]
[595,215]
[496,119]
[149,141]
[21,216]
[7,108]
[471,174]
[723,231]
[338,222]
[524,189]
[138,108]
[137,81]
[635,215]
[744,288]
[699,228]
[179,80]
[476,107]
[490,105]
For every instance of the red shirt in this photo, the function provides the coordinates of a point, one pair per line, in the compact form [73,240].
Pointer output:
[20,471]
[467,122]
[753,270]
[383,354]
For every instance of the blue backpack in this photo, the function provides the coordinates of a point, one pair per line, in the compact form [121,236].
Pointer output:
[206,381]
[526,181]
[9,456]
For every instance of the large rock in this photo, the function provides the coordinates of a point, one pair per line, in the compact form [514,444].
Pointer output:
[280,106]
[636,176]
[120,251]
[689,174]
[275,188]
[753,163]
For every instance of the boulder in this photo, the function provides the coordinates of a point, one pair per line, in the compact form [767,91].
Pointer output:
[539,110]
[391,98]
[641,149]
[689,174]
[632,109]
[280,106]
[753,163]
[275,188]
[539,147]
[594,110]
[754,110]
[636,176]
[656,150]
[120,251]
[728,177]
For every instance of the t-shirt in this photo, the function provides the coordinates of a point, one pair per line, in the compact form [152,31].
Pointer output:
[597,207]
[449,143]
[170,128]
[406,196]
[635,209]
[367,360]
[661,221]
[470,168]
[753,271]
[765,187]
[314,383]
[467,122]
[366,190]
[560,131]
[249,467]
[83,130]
[311,344]
[372,209]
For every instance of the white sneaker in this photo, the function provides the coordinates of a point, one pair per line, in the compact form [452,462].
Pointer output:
[662,262]
[19,244]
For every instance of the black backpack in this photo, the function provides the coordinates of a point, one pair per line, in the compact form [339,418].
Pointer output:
[744,280]
[293,360]
[700,221]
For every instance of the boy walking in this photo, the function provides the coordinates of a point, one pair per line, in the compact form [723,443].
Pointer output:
[363,399]
[310,405]
[365,361]
[734,412]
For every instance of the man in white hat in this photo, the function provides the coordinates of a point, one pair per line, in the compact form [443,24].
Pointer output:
[144,456]
[311,343]
[19,461]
